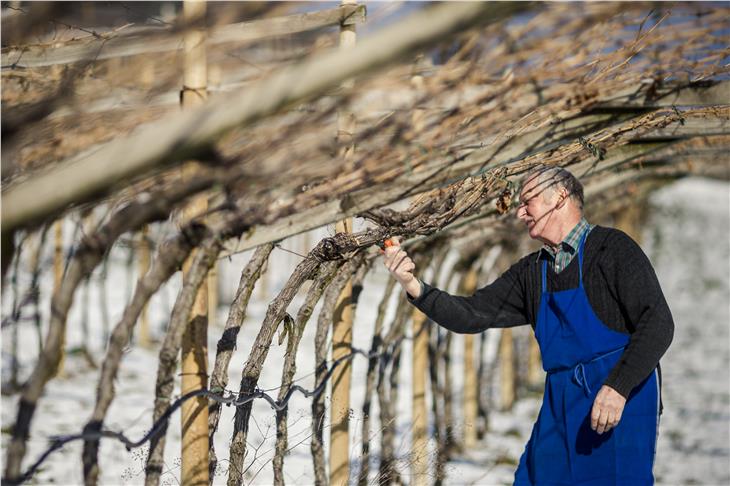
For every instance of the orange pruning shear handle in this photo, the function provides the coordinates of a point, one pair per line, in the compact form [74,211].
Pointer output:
[385,244]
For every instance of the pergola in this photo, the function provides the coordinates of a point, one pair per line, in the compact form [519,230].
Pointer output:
[446,109]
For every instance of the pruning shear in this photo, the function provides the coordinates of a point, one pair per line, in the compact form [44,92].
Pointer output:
[387,243]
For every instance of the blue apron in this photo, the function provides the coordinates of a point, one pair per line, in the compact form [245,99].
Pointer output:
[578,353]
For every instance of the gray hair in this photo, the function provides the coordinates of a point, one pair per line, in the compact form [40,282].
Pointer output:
[553,177]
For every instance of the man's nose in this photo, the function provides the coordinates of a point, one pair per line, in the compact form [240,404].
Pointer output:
[521,212]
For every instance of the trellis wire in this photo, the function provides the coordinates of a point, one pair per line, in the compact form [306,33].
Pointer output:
[227,398]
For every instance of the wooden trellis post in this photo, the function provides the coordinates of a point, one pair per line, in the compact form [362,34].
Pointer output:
[194,360]
[419,411]
[340,403]
[342,322]
[143,265]
[419,448]
[534,363]
[506,356]
[507,369]
[57,279]
[212,295]
[629,219]
[471,384]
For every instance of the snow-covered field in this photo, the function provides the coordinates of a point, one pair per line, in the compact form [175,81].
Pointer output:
[687,238]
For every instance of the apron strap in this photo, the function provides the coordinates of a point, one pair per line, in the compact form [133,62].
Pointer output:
[580,257]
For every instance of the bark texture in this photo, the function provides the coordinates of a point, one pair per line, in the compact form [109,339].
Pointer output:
[294,336]
[227,343]
[202,261]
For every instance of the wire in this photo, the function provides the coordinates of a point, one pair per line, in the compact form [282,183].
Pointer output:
[276,245]
[226,397]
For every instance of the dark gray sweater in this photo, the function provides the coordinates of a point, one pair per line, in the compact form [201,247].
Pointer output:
[621,286]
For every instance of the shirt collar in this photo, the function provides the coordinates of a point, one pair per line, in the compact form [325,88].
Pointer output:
[570,243]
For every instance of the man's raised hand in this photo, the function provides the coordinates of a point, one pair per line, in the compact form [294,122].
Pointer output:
[400,265]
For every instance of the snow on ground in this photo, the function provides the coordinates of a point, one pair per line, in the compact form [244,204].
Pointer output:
[686,237]
[688,241]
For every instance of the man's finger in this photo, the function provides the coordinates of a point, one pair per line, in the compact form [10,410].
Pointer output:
[393,261]
[616,419]
[595,415]
[398,263]
[391,254]
[603,421]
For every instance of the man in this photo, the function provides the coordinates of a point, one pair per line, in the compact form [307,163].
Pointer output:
[602,323]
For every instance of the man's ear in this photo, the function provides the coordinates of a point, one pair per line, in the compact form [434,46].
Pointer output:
[563,197]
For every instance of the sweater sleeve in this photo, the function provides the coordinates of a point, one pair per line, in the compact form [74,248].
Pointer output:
[630,274]
[499,304]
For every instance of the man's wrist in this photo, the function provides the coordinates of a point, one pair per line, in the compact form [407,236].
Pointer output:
[413,288]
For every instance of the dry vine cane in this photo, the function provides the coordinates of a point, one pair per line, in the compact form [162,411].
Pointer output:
[87,256]
[294,331]
[158,427]
[169,257]
[324,321]
[227,343]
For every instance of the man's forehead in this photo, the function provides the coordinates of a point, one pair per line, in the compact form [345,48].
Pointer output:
[528,188]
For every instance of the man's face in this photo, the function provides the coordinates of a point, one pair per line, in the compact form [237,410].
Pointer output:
[536,209]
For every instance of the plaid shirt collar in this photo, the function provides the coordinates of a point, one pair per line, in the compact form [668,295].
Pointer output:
[568,247]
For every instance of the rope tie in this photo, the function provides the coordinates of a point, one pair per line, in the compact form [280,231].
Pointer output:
[579,377]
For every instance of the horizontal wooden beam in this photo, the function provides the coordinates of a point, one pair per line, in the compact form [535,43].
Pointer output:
[145,41]
[182,136]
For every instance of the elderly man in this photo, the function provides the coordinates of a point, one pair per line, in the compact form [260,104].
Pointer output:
[602,323]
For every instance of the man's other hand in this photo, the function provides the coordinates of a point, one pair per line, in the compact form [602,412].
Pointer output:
[607,409]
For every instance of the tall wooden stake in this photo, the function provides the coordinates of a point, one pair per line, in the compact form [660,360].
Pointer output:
[143,265]
[340,404]
[194,414]
[58,262]
[213,295]
[471,385]
[342,323]
[419,448]
[629,219]
[506,354]
[419,412]
[507,369]
[535,374]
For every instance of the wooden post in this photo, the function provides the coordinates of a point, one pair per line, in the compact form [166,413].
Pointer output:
[213,295]
[470,394]
[629,219]
[419,447]
[147,74]
[194,360]
[143,265]
[58,262]
[342,322]
[340,404]
[471,384]
[534,364]
[507,369]
[506,355]
[57,254]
